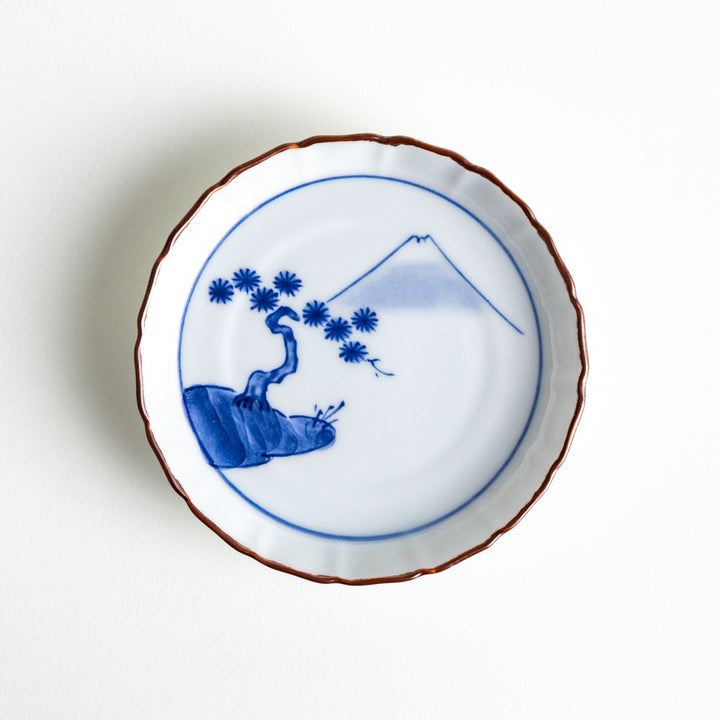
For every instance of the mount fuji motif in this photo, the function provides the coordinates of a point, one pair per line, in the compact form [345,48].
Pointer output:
[241,429]
[416,274]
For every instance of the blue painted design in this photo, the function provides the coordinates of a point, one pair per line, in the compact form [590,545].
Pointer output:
[523,433]
[315,313]
[353,352]
[417,284]
[287,283]
[365,320]
[337,329]
[246,280]
[264,299]
[378,371]
[242,430]
[395,290]
[220,291]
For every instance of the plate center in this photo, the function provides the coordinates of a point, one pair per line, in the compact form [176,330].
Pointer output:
[359,357]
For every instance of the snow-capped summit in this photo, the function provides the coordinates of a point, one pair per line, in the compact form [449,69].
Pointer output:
[416,274]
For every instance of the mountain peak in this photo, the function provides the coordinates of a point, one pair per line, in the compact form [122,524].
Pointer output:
[416,274]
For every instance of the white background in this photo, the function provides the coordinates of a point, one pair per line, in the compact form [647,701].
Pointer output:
[116,602]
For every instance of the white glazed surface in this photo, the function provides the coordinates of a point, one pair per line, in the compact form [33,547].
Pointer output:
[428,463]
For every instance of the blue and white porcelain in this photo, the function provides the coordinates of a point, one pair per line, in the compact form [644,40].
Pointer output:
[360,359]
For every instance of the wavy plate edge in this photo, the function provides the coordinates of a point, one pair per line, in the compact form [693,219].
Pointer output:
[393,140]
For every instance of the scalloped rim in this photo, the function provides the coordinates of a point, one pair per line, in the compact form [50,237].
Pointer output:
[394,140]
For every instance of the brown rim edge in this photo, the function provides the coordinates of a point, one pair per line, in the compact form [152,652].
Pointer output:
[544,235]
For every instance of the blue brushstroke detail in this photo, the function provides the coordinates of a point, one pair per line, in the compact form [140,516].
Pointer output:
[416,286]
[365,320]
[353,352]
[315,313]
[484,297]
[372,269]
[242,430]
[426,238]
[220,291]
[287,283]
[246,280]
[337,329]
[378,371]
[482,489]
[264,299]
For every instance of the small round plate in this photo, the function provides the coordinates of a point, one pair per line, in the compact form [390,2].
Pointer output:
[360,358]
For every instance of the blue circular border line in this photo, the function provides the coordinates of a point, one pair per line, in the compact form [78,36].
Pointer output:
[442,518]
